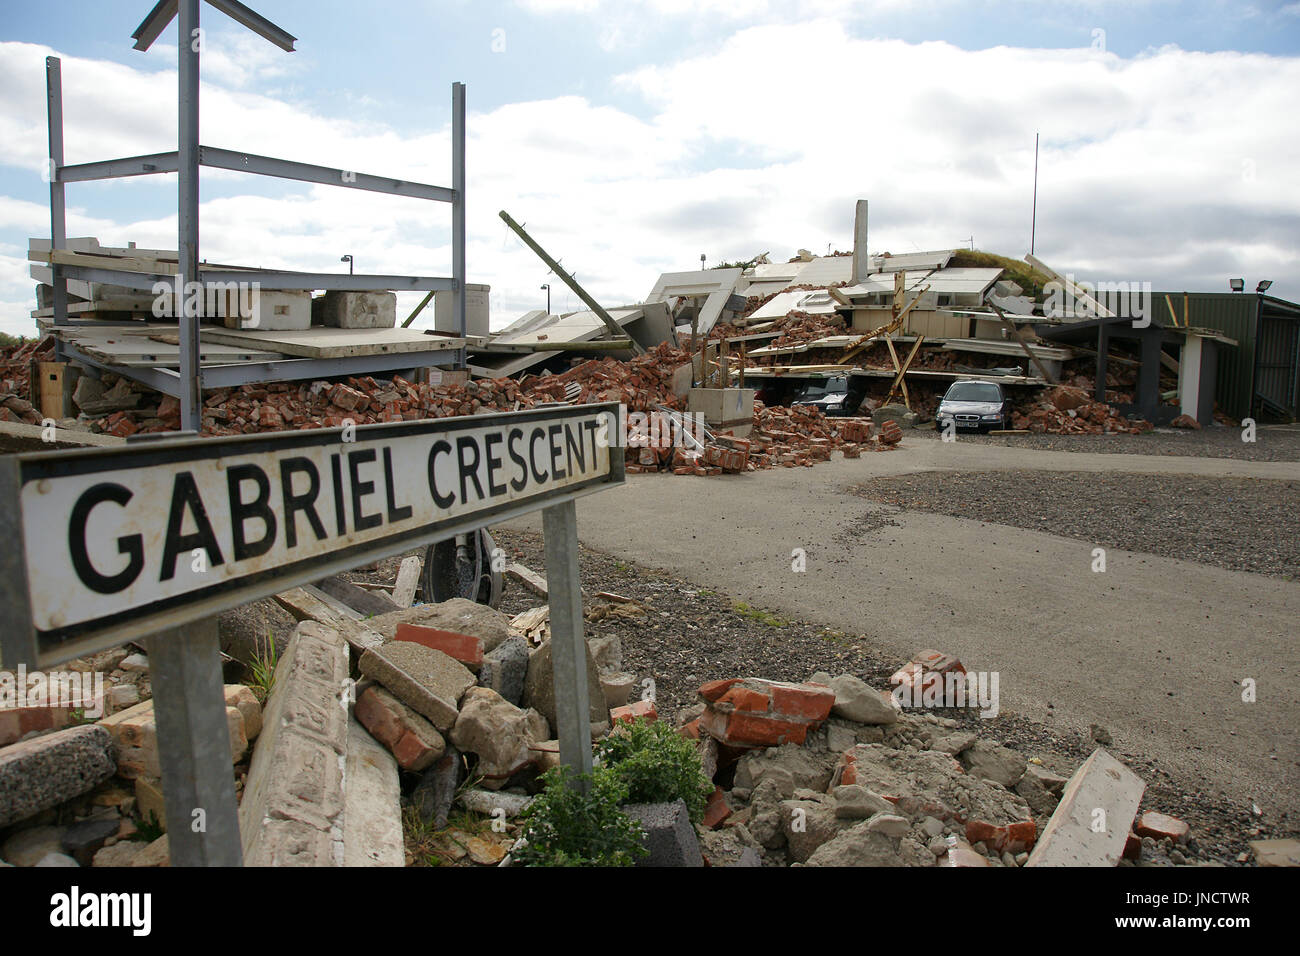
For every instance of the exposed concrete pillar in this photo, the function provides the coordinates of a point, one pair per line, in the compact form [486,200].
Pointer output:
[861,263]
[1189,377]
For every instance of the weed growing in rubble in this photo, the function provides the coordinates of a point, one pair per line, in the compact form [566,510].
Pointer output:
[755,614]
[565,827]
[261,669]
[657,764]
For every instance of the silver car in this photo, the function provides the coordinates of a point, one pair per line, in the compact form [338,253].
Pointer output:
[971,404]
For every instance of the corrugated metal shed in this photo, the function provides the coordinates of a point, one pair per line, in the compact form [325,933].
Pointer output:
[1265,361]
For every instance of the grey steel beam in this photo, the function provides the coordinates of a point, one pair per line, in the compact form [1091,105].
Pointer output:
[329,280]
[255,22]
[58,222]
[248,373]
[132,280]
[156,21]
[568,647]
[458,208]
[194,746]
[305,172]
[119,168]
[160,379]
[187,217]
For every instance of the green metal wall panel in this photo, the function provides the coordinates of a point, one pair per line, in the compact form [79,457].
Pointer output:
[1235,314]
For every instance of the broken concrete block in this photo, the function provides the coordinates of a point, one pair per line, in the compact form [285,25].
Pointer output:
[990,761]
[462,647]
[1092,822]
[505,669]
[857,846]
[727,848]
[539,687]
[356,310]
[857,701]
[409,737]
[807,824]
[1276,852]
[789,762]
[669,836]
[853,802]
[499,733]
[436,791]
[427,680]
[28,847]
[82,840]
[267,310]
[618,686]
[122,853]
[245,701]
[45,771]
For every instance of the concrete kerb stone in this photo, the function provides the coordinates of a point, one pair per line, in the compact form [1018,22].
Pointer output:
[292,811]
[372,803]
[45,771]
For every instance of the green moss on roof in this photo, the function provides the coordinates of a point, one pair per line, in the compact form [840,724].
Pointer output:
[1017,270]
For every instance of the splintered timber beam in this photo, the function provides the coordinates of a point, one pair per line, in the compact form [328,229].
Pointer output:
[571,282]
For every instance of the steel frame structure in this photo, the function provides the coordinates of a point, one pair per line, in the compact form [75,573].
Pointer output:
[188,384]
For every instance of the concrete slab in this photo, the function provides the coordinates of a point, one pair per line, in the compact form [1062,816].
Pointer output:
[372,803]
[1094,818]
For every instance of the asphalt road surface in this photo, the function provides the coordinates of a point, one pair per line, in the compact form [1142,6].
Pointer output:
[1155,649]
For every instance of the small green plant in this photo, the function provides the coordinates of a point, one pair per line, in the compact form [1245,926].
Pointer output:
[657,764]
[566,827]
[148,830]
[261,669]
[755,614]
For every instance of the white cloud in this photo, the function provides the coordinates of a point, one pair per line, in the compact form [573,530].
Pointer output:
[1172,167]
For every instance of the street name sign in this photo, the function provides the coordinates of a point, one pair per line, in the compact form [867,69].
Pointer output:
[106,545]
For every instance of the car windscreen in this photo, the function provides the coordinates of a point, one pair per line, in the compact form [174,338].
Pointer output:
[973,392]
[832,386]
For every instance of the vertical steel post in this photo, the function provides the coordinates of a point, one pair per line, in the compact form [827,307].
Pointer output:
[194,746]
[187,214]
[54,165]
[458,212]
[568,647]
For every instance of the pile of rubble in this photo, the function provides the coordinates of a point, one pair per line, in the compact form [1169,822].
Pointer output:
[81,780]
[1067,410]
[833,772]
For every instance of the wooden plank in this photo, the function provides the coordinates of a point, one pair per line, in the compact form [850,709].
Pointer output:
[898,379]
[324,343]
[51,393]
[530,579]
[1015,334]
[63,257]
[306,604]
[362,602]
[1093,820]
[408,579]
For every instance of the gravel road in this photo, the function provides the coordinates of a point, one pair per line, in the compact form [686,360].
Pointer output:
[1242,524]
[1272,442]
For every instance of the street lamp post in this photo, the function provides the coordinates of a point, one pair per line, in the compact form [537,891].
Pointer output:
[547,287]
[348,260]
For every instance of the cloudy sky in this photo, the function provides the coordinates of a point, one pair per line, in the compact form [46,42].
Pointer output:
[632,136]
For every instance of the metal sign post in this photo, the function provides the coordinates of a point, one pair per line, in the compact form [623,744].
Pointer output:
[109,545]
